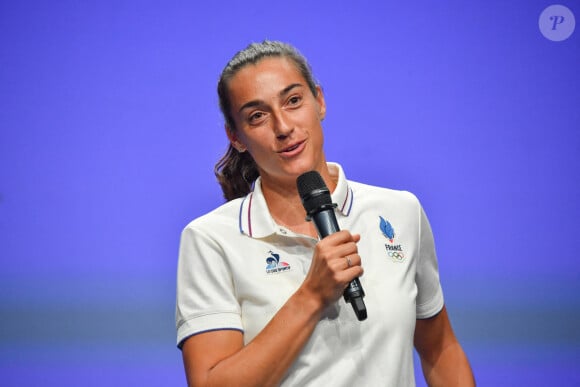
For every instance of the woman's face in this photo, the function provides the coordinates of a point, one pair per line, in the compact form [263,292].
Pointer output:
[277,119]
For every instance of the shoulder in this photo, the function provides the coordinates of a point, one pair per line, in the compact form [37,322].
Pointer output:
[367,193]
[220,219]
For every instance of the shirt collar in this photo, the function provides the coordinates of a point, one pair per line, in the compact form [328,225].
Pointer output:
[255,219]
[342,194]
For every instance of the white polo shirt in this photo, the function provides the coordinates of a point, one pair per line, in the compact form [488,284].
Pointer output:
[237,268]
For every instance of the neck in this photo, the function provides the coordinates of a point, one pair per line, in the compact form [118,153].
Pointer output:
[286,207]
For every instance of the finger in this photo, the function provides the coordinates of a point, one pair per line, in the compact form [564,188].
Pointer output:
[339,238]
[348,274]
[345,250]
[353,272]
[352,260]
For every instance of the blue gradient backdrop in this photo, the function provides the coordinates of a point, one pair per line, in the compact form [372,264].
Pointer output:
[109,130]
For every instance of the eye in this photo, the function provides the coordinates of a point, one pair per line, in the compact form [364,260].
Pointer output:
[294,100]
[255,117]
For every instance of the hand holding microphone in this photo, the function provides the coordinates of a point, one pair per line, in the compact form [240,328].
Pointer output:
[319,208]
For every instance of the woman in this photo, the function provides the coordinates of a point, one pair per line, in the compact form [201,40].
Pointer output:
[259,296]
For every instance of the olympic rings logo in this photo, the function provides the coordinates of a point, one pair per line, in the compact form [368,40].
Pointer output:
[396,255]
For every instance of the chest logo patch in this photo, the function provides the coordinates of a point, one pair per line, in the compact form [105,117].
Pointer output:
[394,251]
[273,264]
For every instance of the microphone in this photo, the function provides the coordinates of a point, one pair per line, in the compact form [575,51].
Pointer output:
[319,208]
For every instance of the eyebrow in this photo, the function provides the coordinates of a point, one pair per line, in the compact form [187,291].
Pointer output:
[281,94]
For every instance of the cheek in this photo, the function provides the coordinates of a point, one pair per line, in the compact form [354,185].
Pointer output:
[257,142]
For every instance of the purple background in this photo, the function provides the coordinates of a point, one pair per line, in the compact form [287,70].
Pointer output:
[109,130]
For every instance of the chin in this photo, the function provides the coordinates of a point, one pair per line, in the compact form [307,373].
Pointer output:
[302,167]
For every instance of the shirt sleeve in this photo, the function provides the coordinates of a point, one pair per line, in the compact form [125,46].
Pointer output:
[429,292]
[205,292]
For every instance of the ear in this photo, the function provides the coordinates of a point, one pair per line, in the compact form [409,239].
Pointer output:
[234,140]
[321,103]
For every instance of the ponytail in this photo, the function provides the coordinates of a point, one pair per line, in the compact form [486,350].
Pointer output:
[236,173]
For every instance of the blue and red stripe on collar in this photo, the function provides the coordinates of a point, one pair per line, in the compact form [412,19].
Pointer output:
[255,219]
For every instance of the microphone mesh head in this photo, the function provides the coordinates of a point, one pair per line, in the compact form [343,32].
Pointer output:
[313,191]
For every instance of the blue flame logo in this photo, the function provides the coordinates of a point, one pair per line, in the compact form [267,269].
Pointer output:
[387,229]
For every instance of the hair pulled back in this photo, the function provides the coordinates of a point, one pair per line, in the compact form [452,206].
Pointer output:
[236,171]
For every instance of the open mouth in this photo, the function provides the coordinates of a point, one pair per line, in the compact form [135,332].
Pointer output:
[291,148]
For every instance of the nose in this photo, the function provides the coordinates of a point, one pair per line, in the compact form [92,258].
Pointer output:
[283,126]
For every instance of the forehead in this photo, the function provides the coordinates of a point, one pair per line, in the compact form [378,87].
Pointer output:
[263,80]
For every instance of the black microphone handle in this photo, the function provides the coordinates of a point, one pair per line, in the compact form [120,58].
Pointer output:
[326,224]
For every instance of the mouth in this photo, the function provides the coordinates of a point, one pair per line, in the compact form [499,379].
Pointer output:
[292,149]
